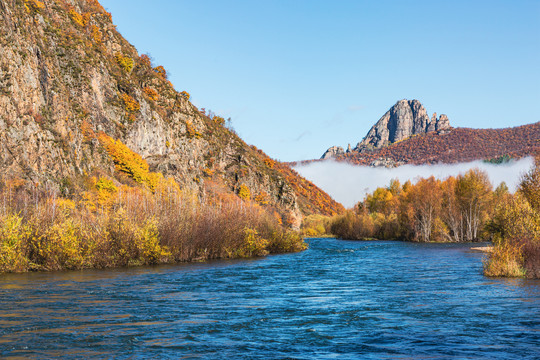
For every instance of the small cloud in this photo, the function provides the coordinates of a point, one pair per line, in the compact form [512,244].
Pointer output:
[304,134]
[355,108]
[339,118]
[298,138]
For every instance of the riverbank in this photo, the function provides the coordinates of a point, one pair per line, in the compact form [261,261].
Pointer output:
[117,226]
[463,209]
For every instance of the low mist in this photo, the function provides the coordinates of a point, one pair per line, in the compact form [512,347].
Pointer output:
[349,184]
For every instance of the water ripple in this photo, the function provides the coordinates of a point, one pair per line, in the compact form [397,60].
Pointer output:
[339,300]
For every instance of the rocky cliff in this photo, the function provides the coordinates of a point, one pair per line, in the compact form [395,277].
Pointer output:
[403,120]
[69,80]
[458,145]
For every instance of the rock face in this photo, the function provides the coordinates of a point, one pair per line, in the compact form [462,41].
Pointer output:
[68,77]
[403,120]
[333,152]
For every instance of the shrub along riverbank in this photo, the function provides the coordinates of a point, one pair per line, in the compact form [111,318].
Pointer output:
[459,209]
[516,229]
[456,209]
[118,225]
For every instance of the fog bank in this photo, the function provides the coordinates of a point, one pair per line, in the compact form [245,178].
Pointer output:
[349,184]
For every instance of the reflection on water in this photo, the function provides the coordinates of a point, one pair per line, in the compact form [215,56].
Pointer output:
[339,299]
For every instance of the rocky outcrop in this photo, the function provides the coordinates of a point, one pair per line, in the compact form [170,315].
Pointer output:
[454,145]
[442,124]
[336,151]
[333,152]
[68,77]
[403,120]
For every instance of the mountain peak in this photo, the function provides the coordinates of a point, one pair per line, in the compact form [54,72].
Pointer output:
[403,120]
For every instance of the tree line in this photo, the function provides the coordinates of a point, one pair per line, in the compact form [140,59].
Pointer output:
[455,209]
[465,208]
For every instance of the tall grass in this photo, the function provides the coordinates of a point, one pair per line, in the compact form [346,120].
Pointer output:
[123,226]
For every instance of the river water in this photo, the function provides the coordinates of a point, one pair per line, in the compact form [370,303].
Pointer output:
[337,300]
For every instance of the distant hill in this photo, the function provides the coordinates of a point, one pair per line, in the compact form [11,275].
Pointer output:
[403,120]
[405,135]
[77,99]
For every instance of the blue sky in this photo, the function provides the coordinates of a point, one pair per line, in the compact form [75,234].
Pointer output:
[298,76]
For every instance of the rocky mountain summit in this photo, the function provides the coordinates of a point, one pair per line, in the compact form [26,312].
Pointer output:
[403,120]
[77,99]
[406,135]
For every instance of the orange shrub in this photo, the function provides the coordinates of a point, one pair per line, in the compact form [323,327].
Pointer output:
[96,34]
[160,70]
[269,162]
[262,198]
[191,132]
[145,60]
[185,95]
[152,94]
[130,105]
[77,18]
[208,172]
[87,131]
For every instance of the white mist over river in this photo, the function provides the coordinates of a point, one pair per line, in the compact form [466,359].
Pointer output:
[349,184]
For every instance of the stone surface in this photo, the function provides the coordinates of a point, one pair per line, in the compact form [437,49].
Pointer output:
[333,152]
[403,120]
[60,87]
[443,124]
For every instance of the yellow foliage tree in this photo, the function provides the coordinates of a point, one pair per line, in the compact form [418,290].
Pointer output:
[130,105]
[13,233]
[97,36]
[106,190]
[473,194]
[380,201]
[530,187]
[125,62]
[33,6]
[129,162]
[254,244]
[77,18]
[244,193]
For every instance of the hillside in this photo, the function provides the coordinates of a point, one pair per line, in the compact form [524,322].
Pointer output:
[406,135]
[77,100]
[458,145]
[405,119]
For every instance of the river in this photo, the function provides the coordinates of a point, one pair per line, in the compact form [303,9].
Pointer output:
[337,300]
